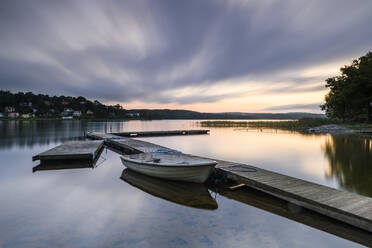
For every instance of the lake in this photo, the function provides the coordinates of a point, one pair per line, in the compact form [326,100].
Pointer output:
[104,207]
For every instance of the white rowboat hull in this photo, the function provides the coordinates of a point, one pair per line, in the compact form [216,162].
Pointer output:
[195,174]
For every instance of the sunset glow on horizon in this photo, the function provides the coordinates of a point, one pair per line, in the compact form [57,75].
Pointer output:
[258,97]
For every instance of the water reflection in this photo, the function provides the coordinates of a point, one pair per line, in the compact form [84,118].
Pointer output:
[188,194]
[94,208]
[350,162]
[294,212]
[30,133]
[15,133]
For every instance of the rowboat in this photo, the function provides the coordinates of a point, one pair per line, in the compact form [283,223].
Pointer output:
[193,195]
[178,167]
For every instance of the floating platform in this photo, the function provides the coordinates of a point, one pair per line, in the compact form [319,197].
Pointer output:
[161,133]
[350,208]
[70,154]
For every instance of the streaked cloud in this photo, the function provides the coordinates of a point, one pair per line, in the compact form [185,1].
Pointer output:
[291,107]
[182,54]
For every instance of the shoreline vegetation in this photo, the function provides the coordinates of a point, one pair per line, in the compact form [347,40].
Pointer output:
[312,125]
[300,124]
[69,119]
[350,93]
[304,125]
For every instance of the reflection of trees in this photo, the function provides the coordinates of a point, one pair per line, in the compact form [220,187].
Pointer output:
[350,162]
[30,133]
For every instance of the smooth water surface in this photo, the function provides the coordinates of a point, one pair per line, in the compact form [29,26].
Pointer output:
[106,207]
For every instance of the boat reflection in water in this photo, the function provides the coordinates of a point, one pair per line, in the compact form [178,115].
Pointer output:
[194,195]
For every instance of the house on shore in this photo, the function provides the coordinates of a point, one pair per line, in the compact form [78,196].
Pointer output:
[133,115]
[9,109]
[76,113]
[26,116]
[67,112]
[13,115]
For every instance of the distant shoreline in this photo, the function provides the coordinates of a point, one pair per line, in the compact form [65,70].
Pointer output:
[303,125]
[309,125]
[143,119]
[60,119]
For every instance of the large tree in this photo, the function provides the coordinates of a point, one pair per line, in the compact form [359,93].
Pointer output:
[350,95]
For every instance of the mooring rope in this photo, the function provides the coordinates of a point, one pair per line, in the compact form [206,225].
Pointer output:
[218,180]
[237,168]
[103,159]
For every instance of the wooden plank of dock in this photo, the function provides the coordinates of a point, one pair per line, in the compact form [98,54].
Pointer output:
[127,145]
[76,150]
[344,206]
[161,133]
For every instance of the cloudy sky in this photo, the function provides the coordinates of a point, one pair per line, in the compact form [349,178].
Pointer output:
[204,55]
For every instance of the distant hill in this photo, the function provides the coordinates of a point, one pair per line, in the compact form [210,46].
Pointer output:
[27,105]
[187,114]
[30,105]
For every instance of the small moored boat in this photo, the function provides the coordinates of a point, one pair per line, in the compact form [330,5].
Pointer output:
[179,167]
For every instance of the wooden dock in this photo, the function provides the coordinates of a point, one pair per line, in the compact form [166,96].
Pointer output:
[161,133]
[76,151]
[126,145]
[344,206]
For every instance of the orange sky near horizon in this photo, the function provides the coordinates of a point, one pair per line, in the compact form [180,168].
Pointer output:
[256,96]
[256,104]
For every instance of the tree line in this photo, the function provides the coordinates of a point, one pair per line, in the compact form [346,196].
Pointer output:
[45,106]
[350,95]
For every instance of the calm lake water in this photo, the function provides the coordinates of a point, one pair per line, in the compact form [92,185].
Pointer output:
[96,208]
